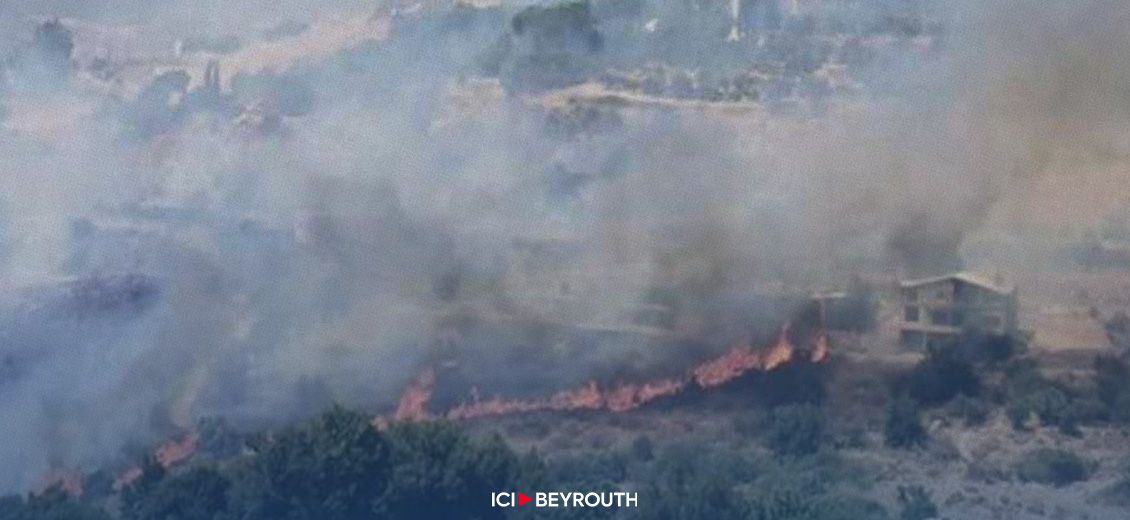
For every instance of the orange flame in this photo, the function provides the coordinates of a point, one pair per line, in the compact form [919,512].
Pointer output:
[129,477]
[737,362]
[71,482]
[588,397]
[743,359]
[169,454]
[173,452]
[820,353]
[414,403]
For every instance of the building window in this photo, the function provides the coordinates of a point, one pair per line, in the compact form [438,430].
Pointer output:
[910,295]
[911,313]
[941,318]
[935,341]
[913,339]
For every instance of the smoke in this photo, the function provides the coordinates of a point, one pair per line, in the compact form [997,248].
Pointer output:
[1028,92]
[322,228]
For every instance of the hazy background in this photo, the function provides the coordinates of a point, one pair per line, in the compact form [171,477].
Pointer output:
[369,202]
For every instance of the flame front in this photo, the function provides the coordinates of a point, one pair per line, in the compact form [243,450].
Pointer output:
[588,397]
[169,454]
[173,452]
[414,403]
[413,406]
[743,359]
[739,361]
[73,483]
[820,353]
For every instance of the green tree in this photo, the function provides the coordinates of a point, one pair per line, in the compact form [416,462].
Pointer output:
[54,42]
[52,504]
[135,494]
[688,482]
[916,503]
[1050,404]
[904,426]
[549,47]
[199,493]
[847,508]
[643,449]
[334,467]
[795,430]
[439,472]
[1112,376]
[941,376]
[1053,466]
[49,58]
[790,502]
[973,411]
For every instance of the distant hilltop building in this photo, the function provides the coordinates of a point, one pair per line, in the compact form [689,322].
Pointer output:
[758,15]
[935,310]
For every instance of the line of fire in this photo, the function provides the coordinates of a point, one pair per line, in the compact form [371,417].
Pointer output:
[787,358]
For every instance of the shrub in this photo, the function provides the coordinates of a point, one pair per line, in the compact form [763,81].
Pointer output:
[750,423]
[218,438]
[1089,409]
[1118,330]
[1120,410]
[793,383]
[53,504]
[550,46]
[597,467]
[793,500]
[689,482]
[1050,404]
[916,503]
[847,508]
[941,376]
[200,493]
[1111,377]
[795,430]
[440,472]
[1030,394]
[979,347]
[1119,493]
[643,448]
[1052,467]
[904,426]
[335,466]
[780,502]
[47,62]
[971,410]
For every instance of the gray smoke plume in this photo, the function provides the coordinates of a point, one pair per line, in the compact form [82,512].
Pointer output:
[327,218]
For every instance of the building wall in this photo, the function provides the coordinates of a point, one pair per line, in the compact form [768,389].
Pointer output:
[938,311]
[760,15]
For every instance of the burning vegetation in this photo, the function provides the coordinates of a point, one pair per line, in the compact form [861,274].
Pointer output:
[616,398]
[579,225]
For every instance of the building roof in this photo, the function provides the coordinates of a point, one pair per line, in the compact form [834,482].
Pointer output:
[829,295]
[983,281]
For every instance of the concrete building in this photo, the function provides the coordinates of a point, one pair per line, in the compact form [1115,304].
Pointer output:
[937,309]
[756,16]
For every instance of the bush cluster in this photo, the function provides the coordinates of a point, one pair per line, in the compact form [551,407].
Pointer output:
[904,424]
[336,466]
[1052,466]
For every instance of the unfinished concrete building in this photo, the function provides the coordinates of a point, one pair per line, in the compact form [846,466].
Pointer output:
[936,310]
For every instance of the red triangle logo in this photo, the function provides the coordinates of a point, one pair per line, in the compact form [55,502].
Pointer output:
[523,499]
